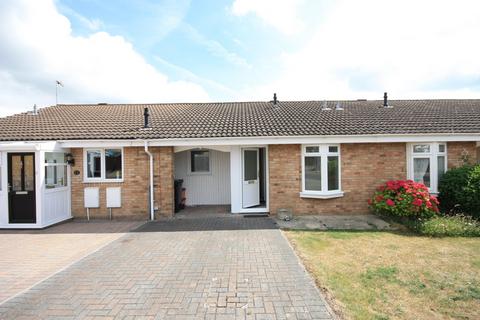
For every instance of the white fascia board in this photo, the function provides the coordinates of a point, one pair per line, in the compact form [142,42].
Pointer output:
[272,140]
[31,146]
[103,143]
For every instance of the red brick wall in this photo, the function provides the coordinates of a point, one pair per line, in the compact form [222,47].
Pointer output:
[135,185]
[364,167]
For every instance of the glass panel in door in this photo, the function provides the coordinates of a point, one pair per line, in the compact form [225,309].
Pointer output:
[29,173]
[17,165]
[251,185]
[251,165]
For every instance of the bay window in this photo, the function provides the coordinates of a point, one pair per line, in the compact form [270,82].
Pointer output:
[103,164]
[55,170]
[427,163]
[321,171]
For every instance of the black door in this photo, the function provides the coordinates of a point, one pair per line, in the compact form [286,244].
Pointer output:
[21,187]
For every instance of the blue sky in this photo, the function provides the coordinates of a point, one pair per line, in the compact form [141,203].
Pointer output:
[193,40]
[228,50]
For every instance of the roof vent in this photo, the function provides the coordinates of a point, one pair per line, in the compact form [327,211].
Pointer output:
[146,114]
[275,100]
[34,112]
[339,106]
[385,101]
[325,106]
[102,103]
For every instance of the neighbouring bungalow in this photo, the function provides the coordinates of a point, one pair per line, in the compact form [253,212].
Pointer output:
[311,157]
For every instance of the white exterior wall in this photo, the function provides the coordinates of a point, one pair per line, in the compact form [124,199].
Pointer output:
[209,188]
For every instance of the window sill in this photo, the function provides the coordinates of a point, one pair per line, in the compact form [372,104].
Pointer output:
[57,189]
[317,195]
[103,181]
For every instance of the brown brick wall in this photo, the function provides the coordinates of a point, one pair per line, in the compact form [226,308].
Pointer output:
[163,180]
[364,167]
[135,202]
[457,152]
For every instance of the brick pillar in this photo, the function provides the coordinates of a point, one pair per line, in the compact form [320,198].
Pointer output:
[163,180]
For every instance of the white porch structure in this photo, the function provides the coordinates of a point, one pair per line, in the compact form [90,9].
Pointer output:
[51,199]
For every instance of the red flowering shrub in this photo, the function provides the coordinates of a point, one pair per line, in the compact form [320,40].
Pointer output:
[402,198]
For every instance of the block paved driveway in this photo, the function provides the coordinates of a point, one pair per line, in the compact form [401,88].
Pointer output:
[211,268]
[29,256]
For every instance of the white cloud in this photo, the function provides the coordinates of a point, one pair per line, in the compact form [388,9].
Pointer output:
[281,14]
[413,49]
[37,48]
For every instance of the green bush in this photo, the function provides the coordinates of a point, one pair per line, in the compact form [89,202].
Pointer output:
[449,226]
[404,199]
[459,191]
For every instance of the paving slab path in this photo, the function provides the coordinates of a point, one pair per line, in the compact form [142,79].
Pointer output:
[211,268]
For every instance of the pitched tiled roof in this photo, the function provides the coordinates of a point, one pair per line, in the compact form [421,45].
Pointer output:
[243,119]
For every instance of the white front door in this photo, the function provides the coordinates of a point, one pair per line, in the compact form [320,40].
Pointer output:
[250,178]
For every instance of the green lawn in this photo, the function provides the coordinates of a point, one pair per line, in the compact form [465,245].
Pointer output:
[381,275]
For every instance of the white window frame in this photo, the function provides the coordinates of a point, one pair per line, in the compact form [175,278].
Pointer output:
[189,163]
[323,153]
[102,165]
[58,164]
[432,155]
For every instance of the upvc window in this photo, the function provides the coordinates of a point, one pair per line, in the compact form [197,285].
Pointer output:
[199,162]
[55,170]
[103,164]
[427,163]
[321,171]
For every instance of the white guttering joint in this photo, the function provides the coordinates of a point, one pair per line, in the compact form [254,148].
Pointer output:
[152,209]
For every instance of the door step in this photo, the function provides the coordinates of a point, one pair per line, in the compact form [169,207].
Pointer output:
[255,215]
